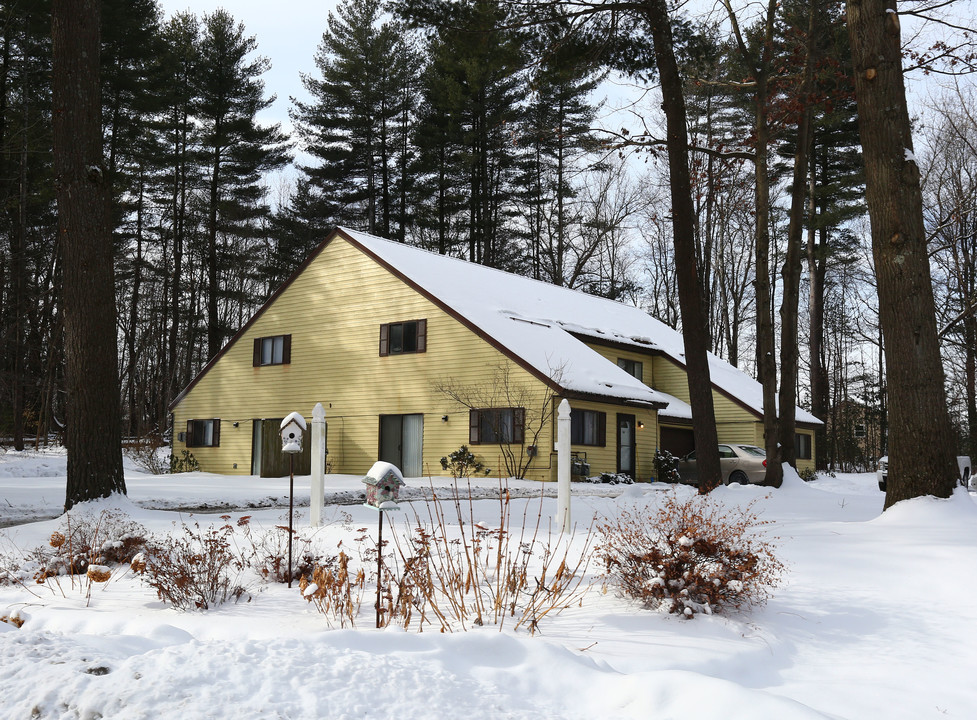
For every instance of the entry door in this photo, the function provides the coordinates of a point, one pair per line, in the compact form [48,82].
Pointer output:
[626,444]
[401,442]
[267,458]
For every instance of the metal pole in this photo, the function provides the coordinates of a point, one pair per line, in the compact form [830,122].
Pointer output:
[379,563]
[291,493]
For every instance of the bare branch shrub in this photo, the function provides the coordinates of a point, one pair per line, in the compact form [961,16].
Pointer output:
[85,539]
[267,552]
[452,573]
[690,557]
[145,452]
[195,569]
[335,591]
[504,391]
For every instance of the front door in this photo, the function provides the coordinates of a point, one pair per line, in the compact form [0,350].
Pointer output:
[626,444]
[267,458]
[401,442]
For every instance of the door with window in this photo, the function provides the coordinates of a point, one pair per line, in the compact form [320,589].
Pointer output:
[626,444]
[401,442]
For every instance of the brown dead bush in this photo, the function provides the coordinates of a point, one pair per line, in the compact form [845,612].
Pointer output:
[692,556]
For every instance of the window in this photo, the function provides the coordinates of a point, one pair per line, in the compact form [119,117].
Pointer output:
[588,427]
[403,338]
[203,433]
[497,425]
[276,350]
[802,446]
[631,367]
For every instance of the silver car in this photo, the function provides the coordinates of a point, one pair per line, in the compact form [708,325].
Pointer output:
[739,464]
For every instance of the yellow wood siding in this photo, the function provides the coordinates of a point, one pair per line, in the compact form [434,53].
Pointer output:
[333,311]
[604,459]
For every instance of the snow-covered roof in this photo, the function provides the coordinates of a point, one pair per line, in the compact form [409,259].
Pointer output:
[542,324]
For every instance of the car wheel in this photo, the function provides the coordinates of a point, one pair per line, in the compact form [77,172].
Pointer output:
[882,485]
[738,476]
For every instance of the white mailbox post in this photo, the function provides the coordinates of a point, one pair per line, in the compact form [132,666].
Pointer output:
[563,466]
[317,491]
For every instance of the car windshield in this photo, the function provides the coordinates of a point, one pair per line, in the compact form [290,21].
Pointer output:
[753,450]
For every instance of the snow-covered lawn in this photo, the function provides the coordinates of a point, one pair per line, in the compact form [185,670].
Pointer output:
[876,619]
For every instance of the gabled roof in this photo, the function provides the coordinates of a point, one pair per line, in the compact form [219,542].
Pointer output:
[541,326]
[545,326]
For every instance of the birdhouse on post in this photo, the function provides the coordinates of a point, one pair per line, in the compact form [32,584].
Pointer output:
[292,429]
[383,484]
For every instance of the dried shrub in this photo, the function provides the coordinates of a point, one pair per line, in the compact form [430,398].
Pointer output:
[109,538]
[267,552]
[452,573]
[13,619]
[196,569]
[335,591]
[145,452]
[99,573]
[691,556]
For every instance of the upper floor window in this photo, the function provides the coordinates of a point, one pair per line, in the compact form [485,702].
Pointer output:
[276,350]
[203,433]
[588,427]
[631,367]
[497,425]
[403,337]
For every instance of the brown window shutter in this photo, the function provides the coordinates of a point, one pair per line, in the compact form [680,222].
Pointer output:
[602,429]
[473,427]
[519,425]
[384,340]
[286,349]
[256,361]
[189,442]
[421,336]
[217,432]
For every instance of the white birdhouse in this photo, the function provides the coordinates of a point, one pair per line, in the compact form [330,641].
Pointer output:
[292,429]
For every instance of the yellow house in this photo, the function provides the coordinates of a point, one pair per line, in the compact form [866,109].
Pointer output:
[414,354]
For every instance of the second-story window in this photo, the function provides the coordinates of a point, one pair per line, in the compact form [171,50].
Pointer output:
[275,350]
[631,367]
[403,337]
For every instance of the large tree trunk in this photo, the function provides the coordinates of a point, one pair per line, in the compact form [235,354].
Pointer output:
[920,439]
[694,329]
[791,271]
[93,436]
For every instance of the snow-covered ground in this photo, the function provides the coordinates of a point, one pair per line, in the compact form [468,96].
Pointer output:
[876,620]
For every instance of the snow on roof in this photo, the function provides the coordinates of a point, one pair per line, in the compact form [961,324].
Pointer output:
[540,323]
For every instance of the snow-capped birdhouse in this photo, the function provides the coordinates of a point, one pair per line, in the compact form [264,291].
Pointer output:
[292,429]
[383,484]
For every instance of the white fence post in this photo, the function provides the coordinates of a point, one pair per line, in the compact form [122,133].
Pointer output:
[318,465]
[563,466]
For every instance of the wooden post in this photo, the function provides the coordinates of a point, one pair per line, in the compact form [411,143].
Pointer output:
[318,465]
[563,466]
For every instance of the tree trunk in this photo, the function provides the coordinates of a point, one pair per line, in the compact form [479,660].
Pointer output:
[921,448]
[791,271]
[694,329]
[93,435]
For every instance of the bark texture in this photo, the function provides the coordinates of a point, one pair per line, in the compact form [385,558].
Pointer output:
[93,435]
[921,456]
[694,329]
